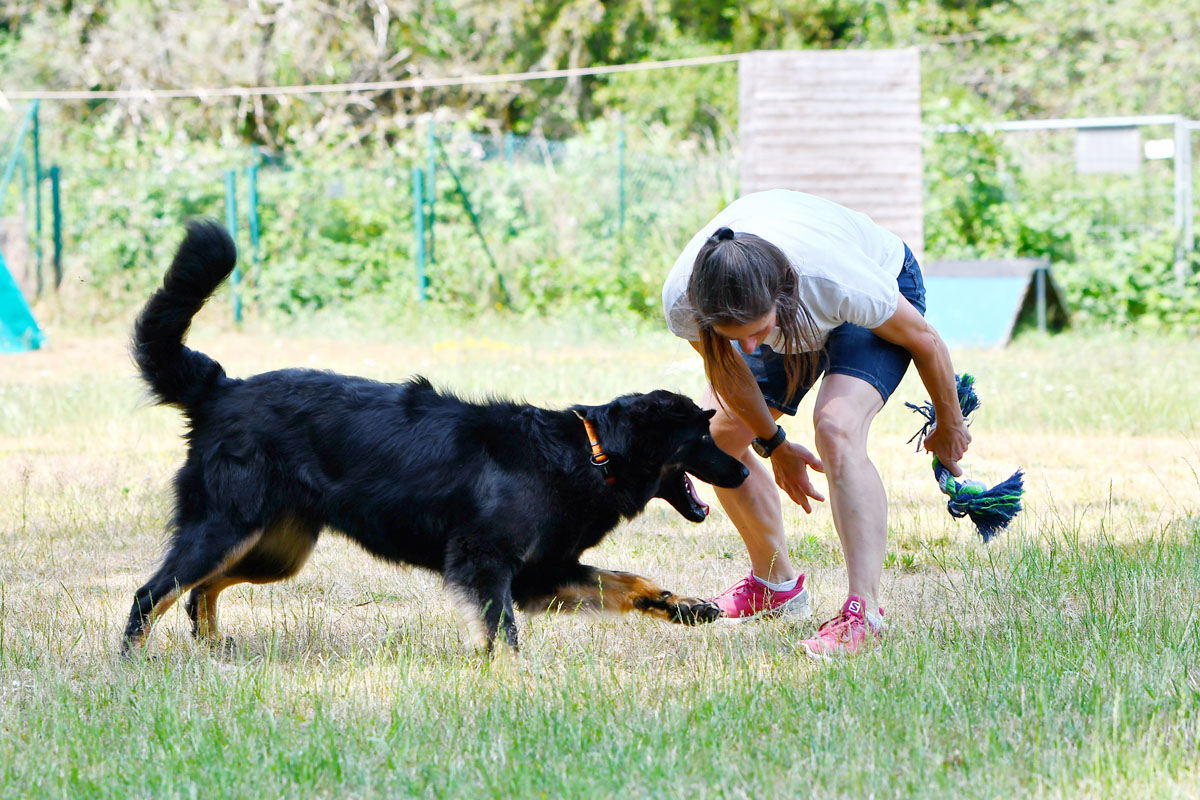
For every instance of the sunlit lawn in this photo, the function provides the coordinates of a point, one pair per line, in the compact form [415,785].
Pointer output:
[1061,660]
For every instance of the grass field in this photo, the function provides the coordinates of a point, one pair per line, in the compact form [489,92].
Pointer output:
[1062,660]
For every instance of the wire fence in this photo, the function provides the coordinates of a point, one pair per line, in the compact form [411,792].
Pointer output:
[1115,201]
[588,219]
[511,221]
[1059,187]
[481,221]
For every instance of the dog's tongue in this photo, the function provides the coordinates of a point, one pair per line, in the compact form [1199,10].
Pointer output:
[695,497]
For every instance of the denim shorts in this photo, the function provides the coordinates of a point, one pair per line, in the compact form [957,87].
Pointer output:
[850,350]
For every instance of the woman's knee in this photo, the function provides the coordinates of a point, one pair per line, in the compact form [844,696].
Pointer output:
[839,435]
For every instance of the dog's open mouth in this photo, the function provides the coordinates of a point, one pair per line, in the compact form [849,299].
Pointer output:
[698,505]
[677,489]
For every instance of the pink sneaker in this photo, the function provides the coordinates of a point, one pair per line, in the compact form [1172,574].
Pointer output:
[845,633]
[750,599]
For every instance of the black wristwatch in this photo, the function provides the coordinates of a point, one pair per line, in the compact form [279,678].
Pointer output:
[764,447]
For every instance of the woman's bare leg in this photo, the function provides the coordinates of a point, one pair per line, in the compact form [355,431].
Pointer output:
[754,507]
[845,408]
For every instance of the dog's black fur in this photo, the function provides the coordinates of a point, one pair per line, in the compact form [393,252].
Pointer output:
[500,497]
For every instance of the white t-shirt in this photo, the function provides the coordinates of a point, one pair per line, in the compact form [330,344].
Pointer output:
[845,263]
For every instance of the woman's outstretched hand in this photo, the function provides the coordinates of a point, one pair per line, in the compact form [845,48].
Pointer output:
[791,462]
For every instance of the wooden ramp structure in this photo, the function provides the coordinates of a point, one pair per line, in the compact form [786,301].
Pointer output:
[846,125]
[841,124]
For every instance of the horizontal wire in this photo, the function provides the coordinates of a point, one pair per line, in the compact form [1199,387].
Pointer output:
[365,86]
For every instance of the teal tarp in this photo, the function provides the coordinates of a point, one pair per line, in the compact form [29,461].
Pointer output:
[975,311]
[18,329]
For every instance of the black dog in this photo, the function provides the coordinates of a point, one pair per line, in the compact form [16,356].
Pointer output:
[499,497]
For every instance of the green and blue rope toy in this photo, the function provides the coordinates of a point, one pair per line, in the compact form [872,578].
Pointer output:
[990,509]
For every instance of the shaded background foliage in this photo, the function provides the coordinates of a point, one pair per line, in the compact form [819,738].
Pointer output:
[138,165]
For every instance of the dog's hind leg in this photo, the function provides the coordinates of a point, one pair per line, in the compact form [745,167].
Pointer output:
[197,552]
[279,553]
[202,606]
[585,588]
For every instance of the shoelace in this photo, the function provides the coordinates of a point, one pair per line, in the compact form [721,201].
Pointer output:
[840,620]
[741,587]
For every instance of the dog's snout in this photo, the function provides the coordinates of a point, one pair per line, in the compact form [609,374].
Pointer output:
[737,476]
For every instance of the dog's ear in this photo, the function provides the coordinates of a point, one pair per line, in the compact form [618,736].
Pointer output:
[709,413]
[612,422]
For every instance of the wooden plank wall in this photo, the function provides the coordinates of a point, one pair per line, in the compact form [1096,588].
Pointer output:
[842,124]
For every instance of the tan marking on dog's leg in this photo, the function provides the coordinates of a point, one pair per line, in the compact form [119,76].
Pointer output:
[623,592]
[279,553]
[609,591]
[159,608]
[471,615]
[286,544]
[138,639]
[627,592]
[205,604]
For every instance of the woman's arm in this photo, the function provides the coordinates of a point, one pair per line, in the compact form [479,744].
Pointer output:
[906,327]
[789,461]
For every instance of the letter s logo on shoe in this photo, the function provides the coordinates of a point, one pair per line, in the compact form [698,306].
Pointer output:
[854,607]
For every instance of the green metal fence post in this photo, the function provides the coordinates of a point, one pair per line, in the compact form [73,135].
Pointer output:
[419,226]
[37,201]
[231,224]
[431,189]
[26,190]
[505,297]
[252,215]
[56,216]
[11,165]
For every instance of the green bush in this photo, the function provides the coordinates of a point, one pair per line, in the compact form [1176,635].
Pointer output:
[547,234]
[983,203]
[1134,283]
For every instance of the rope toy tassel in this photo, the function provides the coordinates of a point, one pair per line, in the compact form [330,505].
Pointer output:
[990,509]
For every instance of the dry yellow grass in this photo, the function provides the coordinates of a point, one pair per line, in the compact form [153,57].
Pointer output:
[85,493]
[85,467]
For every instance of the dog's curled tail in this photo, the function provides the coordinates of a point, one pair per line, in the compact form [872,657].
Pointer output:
[176,374]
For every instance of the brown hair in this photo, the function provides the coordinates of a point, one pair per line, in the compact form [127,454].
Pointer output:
[738,278]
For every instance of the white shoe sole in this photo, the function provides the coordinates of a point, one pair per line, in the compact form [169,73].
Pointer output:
[814,655]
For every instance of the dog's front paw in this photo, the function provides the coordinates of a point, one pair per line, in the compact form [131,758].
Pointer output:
[695,611]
